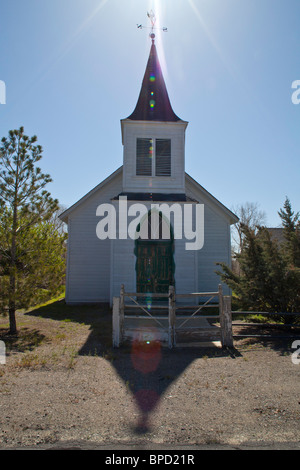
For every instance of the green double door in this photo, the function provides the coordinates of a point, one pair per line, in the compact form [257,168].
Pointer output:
[154,266]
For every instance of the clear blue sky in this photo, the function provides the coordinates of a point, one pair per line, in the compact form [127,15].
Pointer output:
[73,69]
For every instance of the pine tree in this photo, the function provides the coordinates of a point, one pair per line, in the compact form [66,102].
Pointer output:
[249,286]
[23,203]
[40,265]
[269,278]
[291,232]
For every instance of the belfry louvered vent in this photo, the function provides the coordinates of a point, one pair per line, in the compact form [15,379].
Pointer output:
[144,154]
[153,157]
[163,157]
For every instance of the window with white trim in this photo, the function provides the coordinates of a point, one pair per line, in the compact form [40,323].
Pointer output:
[153,157]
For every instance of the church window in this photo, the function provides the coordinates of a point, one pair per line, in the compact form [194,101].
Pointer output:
[144,153]
[163,157]
[153,157]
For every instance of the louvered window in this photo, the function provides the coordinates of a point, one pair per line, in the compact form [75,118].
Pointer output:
[144,153]
[163,157]
[153,157]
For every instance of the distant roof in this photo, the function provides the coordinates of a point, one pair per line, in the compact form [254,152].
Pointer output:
[153,103]
[277,233]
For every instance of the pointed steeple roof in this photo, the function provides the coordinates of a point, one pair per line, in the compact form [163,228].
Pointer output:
[153,103]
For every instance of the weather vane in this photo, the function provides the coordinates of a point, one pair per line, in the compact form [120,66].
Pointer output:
[152,18]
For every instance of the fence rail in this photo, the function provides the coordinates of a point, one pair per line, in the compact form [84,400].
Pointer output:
[269,325]
[172,323]
[250,312]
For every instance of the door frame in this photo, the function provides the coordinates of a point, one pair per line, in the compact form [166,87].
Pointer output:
[164,242]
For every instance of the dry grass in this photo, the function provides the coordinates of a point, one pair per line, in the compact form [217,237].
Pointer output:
[55,333]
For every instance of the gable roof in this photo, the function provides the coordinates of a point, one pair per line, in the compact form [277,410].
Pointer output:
[153,103]
[64,215]
[232,217]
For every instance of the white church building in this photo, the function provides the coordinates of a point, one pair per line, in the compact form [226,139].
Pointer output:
[149,224]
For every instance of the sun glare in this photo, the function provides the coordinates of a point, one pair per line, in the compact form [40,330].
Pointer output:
[84,25]
[210,37]
[156,7]
[68,45]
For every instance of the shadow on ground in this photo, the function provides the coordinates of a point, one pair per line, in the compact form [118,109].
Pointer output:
[149,369]
[26,340]
[145,367]
[97,316]
[275,336]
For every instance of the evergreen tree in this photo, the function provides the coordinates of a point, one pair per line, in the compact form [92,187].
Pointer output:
[291,232]
[24,203]
[269,278]
[40,265]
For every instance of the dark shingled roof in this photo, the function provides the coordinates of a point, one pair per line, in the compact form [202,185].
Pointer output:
[153,103]
[156,197]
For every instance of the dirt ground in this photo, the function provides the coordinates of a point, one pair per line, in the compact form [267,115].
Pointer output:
[63,385]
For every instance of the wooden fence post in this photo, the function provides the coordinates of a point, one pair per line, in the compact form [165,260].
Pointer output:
[118,317]
[172,317]
[220,290]
[116,322]
[122,305]
[226,323]
[122,311]
[221,315]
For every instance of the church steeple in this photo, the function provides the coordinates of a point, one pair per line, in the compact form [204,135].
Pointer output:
[153,103]
[153,138]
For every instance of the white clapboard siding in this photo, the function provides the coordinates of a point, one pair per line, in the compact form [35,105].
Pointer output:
[185,269]
[217,244]
[175,131]
[123,267]
[89,259]
[97,268]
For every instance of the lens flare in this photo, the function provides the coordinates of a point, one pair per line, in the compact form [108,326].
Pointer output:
[146,351]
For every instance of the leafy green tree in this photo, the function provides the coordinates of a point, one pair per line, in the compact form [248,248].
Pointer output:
[24,203]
